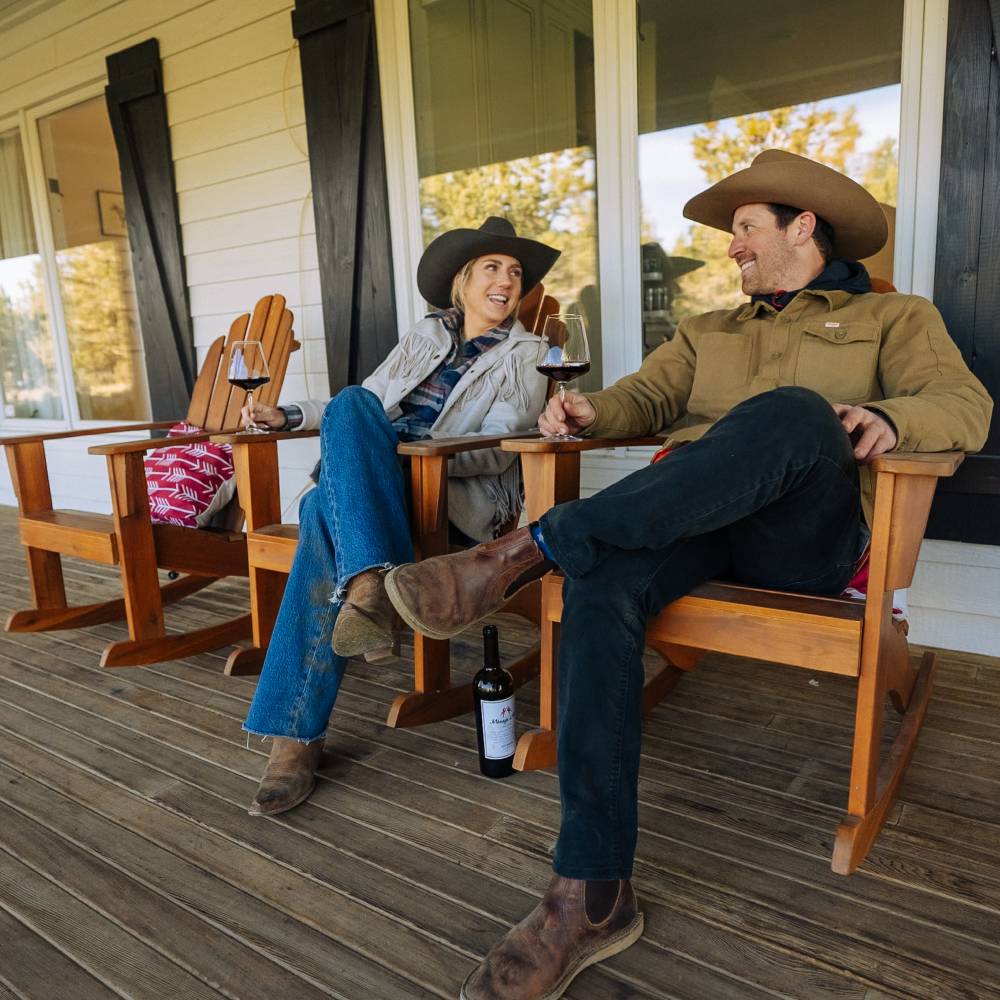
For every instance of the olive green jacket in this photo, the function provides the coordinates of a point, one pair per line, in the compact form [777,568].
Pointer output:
[890,352]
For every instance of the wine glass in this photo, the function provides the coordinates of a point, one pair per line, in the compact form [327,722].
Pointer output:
[248,371]
[563,355]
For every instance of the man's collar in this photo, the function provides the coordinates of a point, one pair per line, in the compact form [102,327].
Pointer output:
[834,298]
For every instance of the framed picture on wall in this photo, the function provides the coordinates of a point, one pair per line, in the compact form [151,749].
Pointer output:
[111,208]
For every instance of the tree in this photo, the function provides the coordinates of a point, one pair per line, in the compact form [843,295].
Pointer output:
[95,282]
[822,134]
[27,353]
[880,172]
[549,197]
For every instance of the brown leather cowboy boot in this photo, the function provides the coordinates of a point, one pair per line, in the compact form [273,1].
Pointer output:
[289,777]
[364,625]
[539,957]
[439,597]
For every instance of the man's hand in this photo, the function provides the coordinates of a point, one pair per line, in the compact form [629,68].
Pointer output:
[872,435]
[263,416]
[568,416]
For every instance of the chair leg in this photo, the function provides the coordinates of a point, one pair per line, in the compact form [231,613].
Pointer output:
[46,578]
[858,830]
[536,748]
[434,698]
[267,587]
[677,661]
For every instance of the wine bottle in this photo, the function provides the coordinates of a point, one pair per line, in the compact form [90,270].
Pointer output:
[493,694]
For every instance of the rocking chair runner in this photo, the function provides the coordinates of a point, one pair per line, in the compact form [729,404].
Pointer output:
[127,536]
[852,638]
[272,549]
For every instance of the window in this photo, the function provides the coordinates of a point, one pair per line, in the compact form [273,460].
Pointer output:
[92,262]
[504,104]
[29,384]
[718,83]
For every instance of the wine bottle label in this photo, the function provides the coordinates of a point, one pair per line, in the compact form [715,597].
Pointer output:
[498,728]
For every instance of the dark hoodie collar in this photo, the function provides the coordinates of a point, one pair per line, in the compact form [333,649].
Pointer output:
[838,275]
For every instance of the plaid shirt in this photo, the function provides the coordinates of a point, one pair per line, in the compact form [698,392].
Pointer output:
[423,405]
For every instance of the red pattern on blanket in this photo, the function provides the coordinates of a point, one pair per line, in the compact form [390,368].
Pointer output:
[183,480]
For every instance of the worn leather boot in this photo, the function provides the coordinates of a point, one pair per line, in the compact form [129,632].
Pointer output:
[439,597]
[289,777]
[364,625]
[539,958]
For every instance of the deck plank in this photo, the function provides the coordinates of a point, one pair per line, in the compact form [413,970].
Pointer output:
[34,969]
[406,865]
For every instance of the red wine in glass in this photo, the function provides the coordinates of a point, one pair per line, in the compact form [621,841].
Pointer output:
[248,371]
[249,384]
[563,354]
[564,372]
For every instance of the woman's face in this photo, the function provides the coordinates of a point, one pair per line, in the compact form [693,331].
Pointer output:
[493,288]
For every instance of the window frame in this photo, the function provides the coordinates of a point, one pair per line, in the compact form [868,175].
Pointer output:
[616,102]
[26,122]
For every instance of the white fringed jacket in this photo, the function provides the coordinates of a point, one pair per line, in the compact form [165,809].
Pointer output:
[500,394]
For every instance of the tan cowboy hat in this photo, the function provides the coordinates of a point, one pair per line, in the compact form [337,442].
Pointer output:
[451,251]
[780,178]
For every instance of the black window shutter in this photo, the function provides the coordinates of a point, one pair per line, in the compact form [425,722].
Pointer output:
[350,200]
[138,113]
[967,274]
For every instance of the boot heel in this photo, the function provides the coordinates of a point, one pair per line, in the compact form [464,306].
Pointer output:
[385,654]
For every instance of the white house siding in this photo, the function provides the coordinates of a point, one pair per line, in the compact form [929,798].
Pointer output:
[234,105]
[234,101]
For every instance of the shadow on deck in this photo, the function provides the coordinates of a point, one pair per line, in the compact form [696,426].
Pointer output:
[128,865]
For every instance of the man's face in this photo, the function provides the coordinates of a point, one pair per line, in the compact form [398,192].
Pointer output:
[765,254]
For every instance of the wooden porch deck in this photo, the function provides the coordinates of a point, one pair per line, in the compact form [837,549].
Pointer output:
[128,865]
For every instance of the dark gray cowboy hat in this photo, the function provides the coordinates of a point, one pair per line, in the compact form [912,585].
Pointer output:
[674,267]
[451,251]
[784,178]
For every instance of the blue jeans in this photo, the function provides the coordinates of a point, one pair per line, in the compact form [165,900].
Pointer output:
[356,519]
[769,497]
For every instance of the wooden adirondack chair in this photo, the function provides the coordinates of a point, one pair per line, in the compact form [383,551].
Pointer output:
[271,547]
[849,637]
[127,536]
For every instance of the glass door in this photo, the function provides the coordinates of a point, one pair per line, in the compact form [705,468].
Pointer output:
[93,262]
[504,109]
[718,83]
[29,383]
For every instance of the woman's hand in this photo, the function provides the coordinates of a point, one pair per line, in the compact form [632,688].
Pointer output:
[263,416]
[568,416]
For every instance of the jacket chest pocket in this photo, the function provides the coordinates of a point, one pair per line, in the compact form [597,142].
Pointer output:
[838,362]
[721,374]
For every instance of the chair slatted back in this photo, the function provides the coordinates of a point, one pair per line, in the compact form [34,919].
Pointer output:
[549,307]
[201,397]
[527,311]
[215,404]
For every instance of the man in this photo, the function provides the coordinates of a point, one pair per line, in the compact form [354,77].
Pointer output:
[769,409]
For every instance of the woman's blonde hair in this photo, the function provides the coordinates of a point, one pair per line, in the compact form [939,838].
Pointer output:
[461,279]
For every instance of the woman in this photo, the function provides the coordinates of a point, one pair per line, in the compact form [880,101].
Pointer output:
[466,368]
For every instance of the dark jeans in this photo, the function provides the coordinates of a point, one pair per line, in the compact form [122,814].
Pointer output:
[768,497]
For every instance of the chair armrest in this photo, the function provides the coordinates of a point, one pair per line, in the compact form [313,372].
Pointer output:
[913,463]
[255,437]
[437,447]
[87,432]
[151,444]
[539,445]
